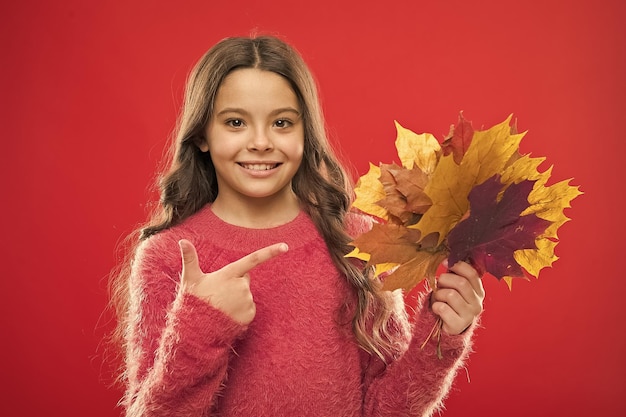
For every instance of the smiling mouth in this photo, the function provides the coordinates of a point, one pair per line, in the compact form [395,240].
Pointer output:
[259,167]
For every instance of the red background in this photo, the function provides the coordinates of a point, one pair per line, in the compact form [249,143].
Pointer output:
[90,92]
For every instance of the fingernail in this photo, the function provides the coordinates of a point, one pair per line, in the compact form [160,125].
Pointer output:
[183,244]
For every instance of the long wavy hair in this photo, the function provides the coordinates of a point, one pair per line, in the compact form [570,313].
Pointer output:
[321,183]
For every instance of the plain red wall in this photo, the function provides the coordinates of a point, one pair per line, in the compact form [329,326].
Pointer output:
[90,92]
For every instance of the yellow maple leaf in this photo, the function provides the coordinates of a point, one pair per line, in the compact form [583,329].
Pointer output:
[522,168]
[533,260]
[369,190]
[549,202]
[421,150]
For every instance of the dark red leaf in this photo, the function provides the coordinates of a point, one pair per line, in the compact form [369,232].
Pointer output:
[494,229]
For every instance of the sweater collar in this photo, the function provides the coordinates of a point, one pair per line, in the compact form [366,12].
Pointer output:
[298,232]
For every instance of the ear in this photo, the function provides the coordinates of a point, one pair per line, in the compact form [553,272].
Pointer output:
[202,143]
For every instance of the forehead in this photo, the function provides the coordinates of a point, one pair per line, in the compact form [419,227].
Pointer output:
[255,88]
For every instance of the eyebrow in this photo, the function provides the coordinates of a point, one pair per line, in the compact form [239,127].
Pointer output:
[245,112]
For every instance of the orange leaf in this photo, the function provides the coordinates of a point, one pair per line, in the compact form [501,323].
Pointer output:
[408,275]
[458,139]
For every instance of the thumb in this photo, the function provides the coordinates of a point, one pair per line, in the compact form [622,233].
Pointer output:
[190,258]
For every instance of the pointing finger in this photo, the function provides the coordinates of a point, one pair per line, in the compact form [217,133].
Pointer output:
[242,266]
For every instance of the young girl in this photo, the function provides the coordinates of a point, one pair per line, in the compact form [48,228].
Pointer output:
[239,300]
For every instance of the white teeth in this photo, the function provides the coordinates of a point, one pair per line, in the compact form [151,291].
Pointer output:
[258,167]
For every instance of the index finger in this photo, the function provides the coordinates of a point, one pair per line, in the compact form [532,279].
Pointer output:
[468,272]
[242,266]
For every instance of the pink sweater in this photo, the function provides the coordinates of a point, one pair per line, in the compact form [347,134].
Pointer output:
[297,358]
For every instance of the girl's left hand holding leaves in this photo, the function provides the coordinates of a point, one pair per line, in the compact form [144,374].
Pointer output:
[458,299]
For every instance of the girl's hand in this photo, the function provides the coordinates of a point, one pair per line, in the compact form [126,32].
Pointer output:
[227,289]
[458,299]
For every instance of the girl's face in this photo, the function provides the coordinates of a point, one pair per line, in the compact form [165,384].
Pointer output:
[255,136]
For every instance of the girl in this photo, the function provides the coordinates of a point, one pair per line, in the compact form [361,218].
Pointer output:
[239,301]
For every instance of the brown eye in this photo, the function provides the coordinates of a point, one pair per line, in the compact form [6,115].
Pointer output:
[282,123]
[234,122]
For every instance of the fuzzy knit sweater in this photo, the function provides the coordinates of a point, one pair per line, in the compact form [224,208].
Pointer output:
[298,357]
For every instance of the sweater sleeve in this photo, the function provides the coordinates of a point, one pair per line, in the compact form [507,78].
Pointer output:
[417,382]
[178,346]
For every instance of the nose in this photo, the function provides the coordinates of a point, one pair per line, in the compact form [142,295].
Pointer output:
[260,141]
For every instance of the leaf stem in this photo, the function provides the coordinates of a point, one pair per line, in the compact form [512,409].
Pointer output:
[435,332]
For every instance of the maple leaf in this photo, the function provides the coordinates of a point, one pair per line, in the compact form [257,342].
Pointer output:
[401,250]
[534,260]
[458,140]
[411,184]
[417,150]
[394,202]
[427,257]
[495,229]
[521,167]
[405,199]
[422,266]
[369,191]
[387,243]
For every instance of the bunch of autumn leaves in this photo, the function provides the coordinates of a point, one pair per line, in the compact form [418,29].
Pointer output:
[472,198]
